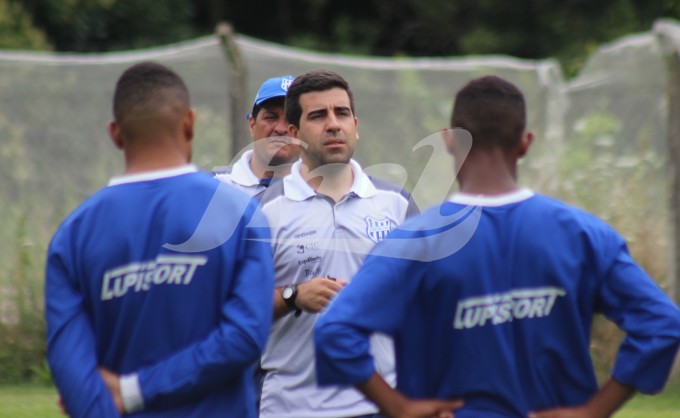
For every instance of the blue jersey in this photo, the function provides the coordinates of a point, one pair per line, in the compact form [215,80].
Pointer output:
[492,301]
[144,277]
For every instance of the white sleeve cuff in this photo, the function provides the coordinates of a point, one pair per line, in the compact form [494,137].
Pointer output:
[131,393]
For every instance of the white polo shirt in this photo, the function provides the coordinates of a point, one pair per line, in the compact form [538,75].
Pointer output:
[314,236]
[241,176]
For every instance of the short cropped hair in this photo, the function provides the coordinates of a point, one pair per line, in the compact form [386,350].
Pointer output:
[146,87]
[492,110]
[311,81]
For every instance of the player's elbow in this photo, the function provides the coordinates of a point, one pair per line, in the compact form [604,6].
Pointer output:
[342,354]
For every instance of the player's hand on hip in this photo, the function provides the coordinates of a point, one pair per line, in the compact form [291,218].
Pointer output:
[315,294]
[429,409]
[571,412]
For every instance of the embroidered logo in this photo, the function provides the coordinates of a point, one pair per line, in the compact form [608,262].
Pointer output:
[377,229]
[285,83]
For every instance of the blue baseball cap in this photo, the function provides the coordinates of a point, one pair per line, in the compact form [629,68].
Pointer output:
[272,88]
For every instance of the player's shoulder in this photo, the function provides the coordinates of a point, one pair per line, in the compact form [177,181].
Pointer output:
[565,211]
[80,213]
[544,212]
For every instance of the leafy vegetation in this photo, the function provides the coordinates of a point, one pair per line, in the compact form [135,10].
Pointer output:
[17,30]
[568,30]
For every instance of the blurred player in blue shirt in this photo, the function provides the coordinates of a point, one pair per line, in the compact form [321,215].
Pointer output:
[156,277]
[490,296]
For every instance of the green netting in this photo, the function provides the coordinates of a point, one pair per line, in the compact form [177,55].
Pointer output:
[600,137]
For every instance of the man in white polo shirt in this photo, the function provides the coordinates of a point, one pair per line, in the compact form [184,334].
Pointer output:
[325,217]
[272,152]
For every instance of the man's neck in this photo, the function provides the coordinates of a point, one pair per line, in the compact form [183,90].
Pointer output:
[332,180]
[139,162]
[488,174]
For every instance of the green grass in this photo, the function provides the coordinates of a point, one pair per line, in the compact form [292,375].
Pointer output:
[30,401]
[664,405]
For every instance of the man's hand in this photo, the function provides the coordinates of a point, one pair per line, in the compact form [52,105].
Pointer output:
[112,382]
[395,405]
[575,412]
[316,294]
[429,409]
[602,405]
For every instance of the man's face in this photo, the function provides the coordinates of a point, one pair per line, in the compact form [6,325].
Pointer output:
[327,126]
[269,130]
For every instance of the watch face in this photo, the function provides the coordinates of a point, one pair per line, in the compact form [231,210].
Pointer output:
[287,292]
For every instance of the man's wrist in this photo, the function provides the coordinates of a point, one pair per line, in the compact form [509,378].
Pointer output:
[289,295]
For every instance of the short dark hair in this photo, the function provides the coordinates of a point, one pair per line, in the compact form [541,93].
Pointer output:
[315,80]
[144,88]
[492,110]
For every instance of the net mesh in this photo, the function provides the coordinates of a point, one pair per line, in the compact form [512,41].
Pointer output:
[600,137]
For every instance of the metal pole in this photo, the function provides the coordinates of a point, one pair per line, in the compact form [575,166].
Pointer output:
[671,55]
[238,82]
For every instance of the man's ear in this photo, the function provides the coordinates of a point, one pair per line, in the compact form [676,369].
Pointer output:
[251,125]
[115,134]
[188,125]
[525,144]
[356,126]
[447,136]
[293,131]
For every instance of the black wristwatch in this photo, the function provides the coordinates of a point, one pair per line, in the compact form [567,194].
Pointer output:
[289,293]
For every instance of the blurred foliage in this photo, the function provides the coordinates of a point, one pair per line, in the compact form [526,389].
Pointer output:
[565,29]
[101,25]
[17,30]
[22,325]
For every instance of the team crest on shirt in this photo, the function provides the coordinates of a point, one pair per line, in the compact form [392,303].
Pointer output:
[377,229]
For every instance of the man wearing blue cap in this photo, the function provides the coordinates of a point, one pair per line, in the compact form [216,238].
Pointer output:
[273,151]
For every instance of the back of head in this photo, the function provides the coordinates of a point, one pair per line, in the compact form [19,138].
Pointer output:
[149,96]
[492,110]
[312,81]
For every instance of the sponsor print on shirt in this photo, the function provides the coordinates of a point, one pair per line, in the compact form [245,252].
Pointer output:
[140,276]
[500,308]
[377,229]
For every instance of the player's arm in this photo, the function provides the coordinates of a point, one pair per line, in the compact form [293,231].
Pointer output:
[394,405]
[631,299]
[606,401]
[71,352]
[231,349]
[374,301]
